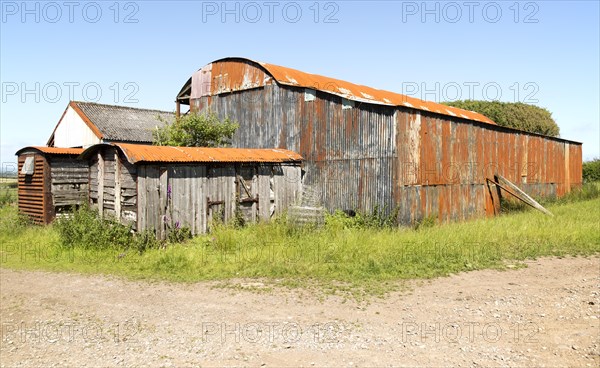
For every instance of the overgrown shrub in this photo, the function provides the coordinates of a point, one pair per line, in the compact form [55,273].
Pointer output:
[84,228]
[517,115]
[379,217]
[195,130]
[591,170]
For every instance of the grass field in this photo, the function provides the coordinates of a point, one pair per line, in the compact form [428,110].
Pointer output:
[337,257]
[8,190]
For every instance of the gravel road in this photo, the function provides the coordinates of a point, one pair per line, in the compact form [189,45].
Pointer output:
[544,315]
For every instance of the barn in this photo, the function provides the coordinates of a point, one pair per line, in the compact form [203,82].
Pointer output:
[159,188]
[365,148]
[51,180]
[84,124]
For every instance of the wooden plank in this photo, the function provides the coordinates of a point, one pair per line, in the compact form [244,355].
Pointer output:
[100,183]
[117,186]
[264,192]
[163,187]
[142,199]
[521,195]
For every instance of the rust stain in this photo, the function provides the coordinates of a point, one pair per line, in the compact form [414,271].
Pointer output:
[236,74]
[145,153]
[52,150]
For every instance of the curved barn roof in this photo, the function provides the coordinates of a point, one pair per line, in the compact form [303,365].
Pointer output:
[137,153]
[236,74]
[50,150]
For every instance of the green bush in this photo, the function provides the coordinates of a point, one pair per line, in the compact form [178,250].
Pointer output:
[518,115]
[378,218]
[195,130]
[591,170]
[83,227]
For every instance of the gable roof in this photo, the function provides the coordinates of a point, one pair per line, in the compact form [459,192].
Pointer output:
[118,123]
[137,153]
[236,77]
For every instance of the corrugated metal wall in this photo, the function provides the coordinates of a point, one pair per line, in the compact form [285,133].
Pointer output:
[359,156]
[34,196]
[349,147]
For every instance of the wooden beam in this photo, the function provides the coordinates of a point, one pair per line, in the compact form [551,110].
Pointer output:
[522,195]
[117,186]
[100,183]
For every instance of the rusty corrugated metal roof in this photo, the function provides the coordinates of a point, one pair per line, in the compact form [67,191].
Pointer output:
[52,150]
[355,92]
[136,153]
[222,78]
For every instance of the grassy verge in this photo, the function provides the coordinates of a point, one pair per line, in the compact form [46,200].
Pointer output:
[338,257]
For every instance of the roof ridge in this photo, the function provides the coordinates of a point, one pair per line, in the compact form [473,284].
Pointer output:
[120,106]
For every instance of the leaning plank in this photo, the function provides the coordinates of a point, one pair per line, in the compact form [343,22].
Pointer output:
[522,195]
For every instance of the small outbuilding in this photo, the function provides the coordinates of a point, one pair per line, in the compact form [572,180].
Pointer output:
[51,180]
[160,188]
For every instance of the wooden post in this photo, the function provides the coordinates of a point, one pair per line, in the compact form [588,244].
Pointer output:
[117,186]
[100,184]
[521,195]
[163,202]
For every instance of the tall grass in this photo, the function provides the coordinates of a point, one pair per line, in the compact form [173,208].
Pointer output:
[338,256]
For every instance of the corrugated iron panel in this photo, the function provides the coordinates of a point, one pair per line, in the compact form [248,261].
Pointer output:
[34,197]
[372,155]
[144,153]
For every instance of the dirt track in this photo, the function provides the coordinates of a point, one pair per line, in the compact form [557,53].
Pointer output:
[544,315]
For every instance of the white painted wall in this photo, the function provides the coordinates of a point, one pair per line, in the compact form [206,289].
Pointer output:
[72,131]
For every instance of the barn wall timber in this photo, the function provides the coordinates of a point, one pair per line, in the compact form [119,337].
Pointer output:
[58,183]
[194,195]
[69,182]
[113,186]
[359,155]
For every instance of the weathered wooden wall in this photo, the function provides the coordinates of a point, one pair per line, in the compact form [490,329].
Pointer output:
[360,155]
[69,182]
[113,186]
[194,195]
[160,196]
[59,183]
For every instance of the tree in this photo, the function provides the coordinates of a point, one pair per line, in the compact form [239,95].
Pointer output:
[513,115]
[195,130]
[591,170]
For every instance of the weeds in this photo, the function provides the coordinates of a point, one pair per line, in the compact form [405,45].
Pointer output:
[340,257]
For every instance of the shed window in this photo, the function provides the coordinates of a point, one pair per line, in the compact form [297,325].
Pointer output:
[347,104]
[28,166]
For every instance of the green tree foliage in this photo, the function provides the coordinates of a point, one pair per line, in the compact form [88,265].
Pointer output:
[513,115]
[591,170]
[195,130]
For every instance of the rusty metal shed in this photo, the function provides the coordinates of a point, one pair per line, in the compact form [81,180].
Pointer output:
[51,180]
[159,187]
[365,147]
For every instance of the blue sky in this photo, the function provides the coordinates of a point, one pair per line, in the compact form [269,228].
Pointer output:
[140,53]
